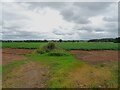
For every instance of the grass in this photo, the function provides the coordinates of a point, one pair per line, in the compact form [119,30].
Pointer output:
[23,45]
[59,68]
[64,45]
[65,71]
[8,67]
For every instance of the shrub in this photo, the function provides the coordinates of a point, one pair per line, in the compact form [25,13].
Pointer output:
[51,50]
[47,48]
[50,46]
[58,53]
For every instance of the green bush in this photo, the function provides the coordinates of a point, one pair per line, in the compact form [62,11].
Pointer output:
[50,46]
[58,53]
[52,50]
[47,48]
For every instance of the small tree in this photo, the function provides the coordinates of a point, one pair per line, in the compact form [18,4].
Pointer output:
[60,40]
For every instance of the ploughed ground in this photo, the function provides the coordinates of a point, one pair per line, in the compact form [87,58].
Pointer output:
[9,54]
[95,57]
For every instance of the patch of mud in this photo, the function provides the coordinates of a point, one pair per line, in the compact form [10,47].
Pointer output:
[9,54]
[95,57]
[30,75]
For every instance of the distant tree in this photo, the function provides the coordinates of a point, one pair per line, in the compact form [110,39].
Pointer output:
[117,40]
[60,40]
[45,41]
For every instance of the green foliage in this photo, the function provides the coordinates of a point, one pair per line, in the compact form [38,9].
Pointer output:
[58,52]
[47,48]
[89,45]
[65,45]
[23,45]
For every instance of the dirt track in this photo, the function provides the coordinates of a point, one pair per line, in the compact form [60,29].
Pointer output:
[29,75]
[95,57]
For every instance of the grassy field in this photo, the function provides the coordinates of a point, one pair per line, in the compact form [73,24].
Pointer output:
[65,45]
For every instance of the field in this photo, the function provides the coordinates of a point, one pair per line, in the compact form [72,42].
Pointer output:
[64,45]
[73,65]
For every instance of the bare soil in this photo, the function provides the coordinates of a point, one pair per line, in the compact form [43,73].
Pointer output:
[95,57]
[29,75]
[9,54]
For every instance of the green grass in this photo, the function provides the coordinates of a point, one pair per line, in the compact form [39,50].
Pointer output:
[89,45]
[59,68]
[23,45]
[65,45]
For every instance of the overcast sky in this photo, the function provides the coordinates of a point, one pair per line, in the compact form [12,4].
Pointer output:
[59,20]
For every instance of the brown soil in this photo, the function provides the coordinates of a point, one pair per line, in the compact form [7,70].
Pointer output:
[95,57]
[9,54]
[29,75]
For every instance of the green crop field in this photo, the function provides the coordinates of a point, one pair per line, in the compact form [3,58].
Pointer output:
[64,45]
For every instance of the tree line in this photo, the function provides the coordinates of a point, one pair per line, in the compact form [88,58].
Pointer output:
[115,40]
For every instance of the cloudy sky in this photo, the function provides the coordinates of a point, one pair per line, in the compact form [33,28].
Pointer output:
[59,20]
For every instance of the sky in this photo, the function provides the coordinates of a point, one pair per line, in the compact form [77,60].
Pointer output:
[58,20]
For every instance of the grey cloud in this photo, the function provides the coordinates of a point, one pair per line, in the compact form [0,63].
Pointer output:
[110,19]
[61,32]
[99,30]
[58,32]
[9,33]
[93,5]
[78,12]
[54,5]
[82,11]
[111,27]
[85,28]
[91,35]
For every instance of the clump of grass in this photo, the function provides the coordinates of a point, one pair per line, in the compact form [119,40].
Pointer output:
[93,85]
[58,52]
[47,48]
[51,50]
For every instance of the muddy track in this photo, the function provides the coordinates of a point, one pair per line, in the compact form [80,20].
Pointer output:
[29,75]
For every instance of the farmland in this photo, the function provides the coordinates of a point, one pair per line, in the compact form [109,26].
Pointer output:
[64,45]
[72,65]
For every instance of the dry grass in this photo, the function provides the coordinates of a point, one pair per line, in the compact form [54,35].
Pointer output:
[92,77]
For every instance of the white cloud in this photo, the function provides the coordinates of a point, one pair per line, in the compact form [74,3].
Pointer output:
[59,20]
